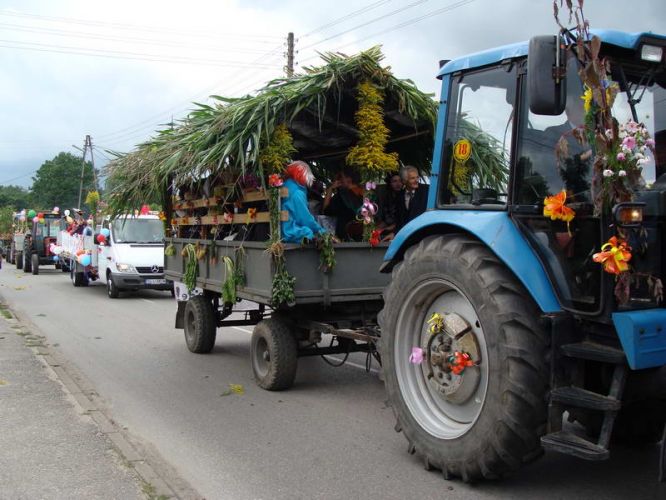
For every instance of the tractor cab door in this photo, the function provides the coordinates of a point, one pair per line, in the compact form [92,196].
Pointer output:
[549,160]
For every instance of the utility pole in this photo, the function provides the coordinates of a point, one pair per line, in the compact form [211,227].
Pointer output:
[83,167]
[87,144]
[290,55]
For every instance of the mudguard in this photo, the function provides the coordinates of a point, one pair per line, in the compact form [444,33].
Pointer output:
[499,233]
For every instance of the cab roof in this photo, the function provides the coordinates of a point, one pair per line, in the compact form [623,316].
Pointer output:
[511,51]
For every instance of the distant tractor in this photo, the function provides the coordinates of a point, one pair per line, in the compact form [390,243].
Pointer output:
[37,241]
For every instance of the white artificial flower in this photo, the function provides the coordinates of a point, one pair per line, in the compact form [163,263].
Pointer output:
[608,173]
[622,173]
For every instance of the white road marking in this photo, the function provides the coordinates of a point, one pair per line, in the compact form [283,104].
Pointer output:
[148,300]
[241,329]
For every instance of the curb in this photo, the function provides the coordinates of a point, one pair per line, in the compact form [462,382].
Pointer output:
[155,485]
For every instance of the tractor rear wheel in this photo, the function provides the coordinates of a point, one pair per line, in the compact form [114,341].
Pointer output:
[27,262]
[478,421]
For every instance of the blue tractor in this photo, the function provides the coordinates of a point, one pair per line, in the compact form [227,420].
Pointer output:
[484,274]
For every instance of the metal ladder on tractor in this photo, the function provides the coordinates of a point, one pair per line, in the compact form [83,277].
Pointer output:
[567,397]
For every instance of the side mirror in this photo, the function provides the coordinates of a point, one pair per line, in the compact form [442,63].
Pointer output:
[546,72]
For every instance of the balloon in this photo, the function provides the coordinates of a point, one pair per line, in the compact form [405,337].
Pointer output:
[55,258]
[69,219]
[88,231]
[56,210]
[105,231]
[31,214]
[51,247]
[41,220]
[35,219]
[22,218]
[85,260]
[67,212]
[101,238]
[40,215]
[80,252]
[22,212]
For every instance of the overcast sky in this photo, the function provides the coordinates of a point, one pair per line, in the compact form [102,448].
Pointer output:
[146,60]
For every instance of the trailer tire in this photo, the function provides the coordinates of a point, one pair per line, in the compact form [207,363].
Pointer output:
[493,426]
[34,265]
[19,260]
[27,262]
[274,354]
[200,327]
[78,278]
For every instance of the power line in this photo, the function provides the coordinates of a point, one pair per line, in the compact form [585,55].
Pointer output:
[116,54]
[140,40]
[344,18]
[371,21]
[402,25]
[136,27]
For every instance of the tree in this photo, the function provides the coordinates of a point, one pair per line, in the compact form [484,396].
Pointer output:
[15,197]
[56,183]
[6,221]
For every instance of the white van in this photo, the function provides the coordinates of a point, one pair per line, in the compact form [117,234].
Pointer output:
[131,257]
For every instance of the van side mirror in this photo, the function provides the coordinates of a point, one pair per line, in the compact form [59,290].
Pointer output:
[546,70]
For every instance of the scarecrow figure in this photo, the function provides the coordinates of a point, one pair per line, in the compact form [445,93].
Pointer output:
[301,224]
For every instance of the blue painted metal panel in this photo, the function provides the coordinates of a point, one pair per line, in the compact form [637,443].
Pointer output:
[643,337]
[478,59]
[497,231]
[439,142]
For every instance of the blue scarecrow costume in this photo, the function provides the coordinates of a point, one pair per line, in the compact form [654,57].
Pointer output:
[301,224]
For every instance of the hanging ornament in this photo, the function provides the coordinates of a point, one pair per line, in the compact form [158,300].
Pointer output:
[458,361]
[614,256]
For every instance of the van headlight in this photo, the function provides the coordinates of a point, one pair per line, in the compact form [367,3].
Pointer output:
[126,268]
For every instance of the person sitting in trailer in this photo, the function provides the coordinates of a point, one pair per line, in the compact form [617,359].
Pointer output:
[301,224]
[342,200]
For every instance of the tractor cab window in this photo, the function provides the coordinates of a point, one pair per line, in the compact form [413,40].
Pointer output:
[476,156]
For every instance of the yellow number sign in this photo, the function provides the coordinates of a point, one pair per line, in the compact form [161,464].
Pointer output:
[462,150]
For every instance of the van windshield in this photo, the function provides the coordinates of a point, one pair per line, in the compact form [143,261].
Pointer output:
[138,231]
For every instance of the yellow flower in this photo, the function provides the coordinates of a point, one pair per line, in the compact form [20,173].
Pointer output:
[587,99]
[436,323]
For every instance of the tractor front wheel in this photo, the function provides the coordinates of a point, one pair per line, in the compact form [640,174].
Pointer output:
[35,263]
[471,398]
[19,260]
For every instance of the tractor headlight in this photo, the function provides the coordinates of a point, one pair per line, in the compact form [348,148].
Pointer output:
[126,268]
[652,53]
[628,214]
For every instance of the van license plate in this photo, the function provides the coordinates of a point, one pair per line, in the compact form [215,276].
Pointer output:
[156,282]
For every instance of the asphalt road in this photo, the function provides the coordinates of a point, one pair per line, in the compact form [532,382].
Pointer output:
[330,436]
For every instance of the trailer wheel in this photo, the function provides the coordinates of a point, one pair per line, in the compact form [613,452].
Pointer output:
[487,420]
[27,262]
[35,263]
[200,327]
[19,260]
[78,278]
[274,353]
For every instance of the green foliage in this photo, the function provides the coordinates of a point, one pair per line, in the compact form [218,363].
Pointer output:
[283,288]
[191,266]
[15,197]
[6,221]
[326,252]
[56,183]
[279,150]
[234,133]
[229,285]
[369,154]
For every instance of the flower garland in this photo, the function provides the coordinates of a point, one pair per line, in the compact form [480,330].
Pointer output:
[282,290]
[279,150]
[370,155]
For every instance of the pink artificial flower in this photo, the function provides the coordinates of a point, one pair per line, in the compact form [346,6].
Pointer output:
[416,357]
[369,186]
[621,157]
[631,127]
[629,142]
[650,143]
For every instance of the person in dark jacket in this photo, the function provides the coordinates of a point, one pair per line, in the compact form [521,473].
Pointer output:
[342,200]
[413,199]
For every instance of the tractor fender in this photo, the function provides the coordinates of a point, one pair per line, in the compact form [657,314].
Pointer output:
[497,231]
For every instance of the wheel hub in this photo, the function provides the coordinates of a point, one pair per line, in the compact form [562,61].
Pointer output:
[452,359]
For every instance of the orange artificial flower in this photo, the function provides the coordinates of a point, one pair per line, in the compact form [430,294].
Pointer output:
[614,256]
[251,214]
[555,208]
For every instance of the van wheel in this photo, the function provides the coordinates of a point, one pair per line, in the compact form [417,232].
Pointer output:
[485,420]
[200,327]
[35,263]
[19,260]
[111,289]
[78,278]
[274,354]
